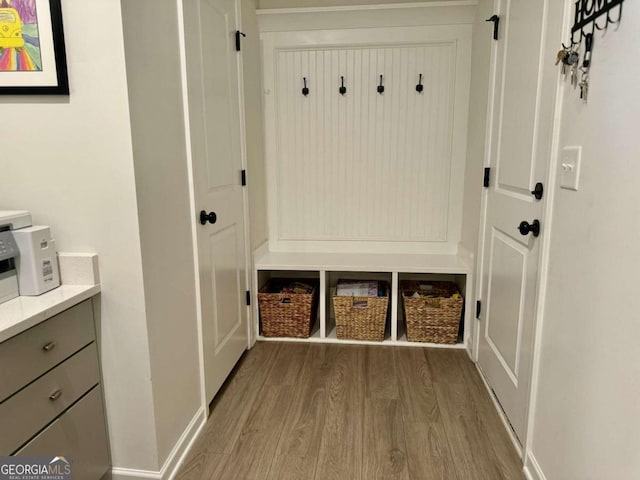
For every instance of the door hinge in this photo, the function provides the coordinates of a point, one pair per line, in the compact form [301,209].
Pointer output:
[238,35]
[487,177]
[496,26]
[248,294]
[243,178]
[478,309]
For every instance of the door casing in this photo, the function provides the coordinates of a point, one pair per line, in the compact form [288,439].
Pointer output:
[194,223]
[556,27]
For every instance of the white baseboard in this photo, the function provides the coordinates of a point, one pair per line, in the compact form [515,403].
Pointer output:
[532,469]
[174,460]
[183,446]
[133,474]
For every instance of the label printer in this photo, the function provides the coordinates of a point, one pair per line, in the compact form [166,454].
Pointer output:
[28,257]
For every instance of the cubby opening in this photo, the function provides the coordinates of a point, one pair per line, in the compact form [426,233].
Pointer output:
[460,282]
[332,279]
[393,269]
[264,276]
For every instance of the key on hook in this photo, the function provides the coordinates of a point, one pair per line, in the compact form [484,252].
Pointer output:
[419,86]
[588,48]
[305,90]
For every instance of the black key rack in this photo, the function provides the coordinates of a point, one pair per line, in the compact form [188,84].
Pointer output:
[591,15]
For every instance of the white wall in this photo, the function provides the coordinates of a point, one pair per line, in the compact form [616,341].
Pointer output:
[69,161]
[252,73]
[165,215]
[587,414]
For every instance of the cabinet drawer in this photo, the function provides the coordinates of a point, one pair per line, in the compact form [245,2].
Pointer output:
[30,354]
[79,435]
[27,412]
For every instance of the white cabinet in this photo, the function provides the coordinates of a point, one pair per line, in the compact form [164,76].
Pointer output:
[51,399]
[328,268]
[367,182]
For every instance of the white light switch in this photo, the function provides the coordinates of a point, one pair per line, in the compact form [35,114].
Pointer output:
[570,167]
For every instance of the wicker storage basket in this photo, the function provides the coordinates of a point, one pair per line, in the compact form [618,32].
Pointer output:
[434,318]
[287,314]
[361,318]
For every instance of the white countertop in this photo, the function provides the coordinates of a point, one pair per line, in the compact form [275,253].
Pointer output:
[80,278]
[21,313]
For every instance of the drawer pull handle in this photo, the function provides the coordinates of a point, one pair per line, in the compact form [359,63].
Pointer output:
[55,395]
[49,346]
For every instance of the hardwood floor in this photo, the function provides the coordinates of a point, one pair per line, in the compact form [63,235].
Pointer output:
[312,411]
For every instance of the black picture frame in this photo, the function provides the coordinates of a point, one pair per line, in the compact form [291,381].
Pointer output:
[62,84]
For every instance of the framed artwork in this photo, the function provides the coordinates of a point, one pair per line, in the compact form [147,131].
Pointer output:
[32,52]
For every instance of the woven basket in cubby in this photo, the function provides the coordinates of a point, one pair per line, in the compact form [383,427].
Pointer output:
[361,318]
[434,318]
[287,314]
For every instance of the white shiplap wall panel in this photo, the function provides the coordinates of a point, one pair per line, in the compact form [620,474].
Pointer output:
[364,171]
[365,166]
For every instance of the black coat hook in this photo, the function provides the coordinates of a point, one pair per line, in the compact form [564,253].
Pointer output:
[343,89]
[238,34]
[381,86]
[419,87]
[496,25]
[305,90]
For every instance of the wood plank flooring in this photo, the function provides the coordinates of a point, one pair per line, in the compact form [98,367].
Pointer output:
[322,412]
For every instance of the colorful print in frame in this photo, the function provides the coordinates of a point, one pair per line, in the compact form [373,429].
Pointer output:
[32,52]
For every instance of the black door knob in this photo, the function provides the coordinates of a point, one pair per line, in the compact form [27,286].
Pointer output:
[208,217]
[538,191]
[526,228]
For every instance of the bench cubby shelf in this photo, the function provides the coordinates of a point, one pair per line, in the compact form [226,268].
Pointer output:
[328,267]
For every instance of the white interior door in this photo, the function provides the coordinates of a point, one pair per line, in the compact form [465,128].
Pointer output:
[510,259]
[214,114]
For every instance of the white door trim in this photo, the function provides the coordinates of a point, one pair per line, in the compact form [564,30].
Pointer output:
[194,224]
[485,192]
[543,268]
[251,335]
[549,183]
[192,196]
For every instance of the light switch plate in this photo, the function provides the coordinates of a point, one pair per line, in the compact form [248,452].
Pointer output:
[570,168]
